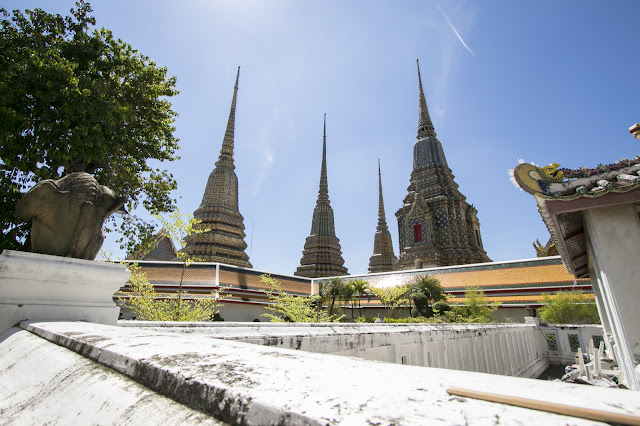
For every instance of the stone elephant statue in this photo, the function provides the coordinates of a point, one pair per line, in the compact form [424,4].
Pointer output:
[68,215]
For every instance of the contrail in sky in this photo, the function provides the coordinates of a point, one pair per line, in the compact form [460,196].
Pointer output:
[454,29]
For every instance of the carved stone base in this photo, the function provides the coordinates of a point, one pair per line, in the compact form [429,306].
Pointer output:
[42,287]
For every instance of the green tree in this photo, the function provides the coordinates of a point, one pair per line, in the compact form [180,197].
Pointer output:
[476,308]
[569,307]
[424,291]
[441,307]
[183,307]
[289,307]
[331,291]
[76,99]
[391,297]
[348,295]
[177,229]
[148,305]
[360,289]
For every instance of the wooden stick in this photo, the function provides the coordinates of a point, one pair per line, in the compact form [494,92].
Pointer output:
[551,407]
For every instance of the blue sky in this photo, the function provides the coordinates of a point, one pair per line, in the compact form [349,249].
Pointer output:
[544,81]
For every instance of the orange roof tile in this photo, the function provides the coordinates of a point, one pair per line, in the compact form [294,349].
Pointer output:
[520,298]
[506,276]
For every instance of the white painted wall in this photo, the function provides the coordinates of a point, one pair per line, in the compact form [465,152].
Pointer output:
[613,240]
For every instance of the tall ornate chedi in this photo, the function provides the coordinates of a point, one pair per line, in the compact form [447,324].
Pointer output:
[224,240]
[437,226]
[383,259]
[322,255]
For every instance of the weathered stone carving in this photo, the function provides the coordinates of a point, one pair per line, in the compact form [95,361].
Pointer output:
[68,214]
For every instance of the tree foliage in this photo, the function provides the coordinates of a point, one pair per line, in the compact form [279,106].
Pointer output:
[77,99]
[348,295]
[183,307]
[569,307]
[291,308]
[424,291]
[148,305]
[178,227]
[361,289]
[391,297]
[332,290]
[476,308]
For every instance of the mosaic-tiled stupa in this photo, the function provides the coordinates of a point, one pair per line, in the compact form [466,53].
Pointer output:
[436,225]
[322,255]
[219,213]
[383,259]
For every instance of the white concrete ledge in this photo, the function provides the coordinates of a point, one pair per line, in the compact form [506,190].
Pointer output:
[248,384]
[43,383]
[41,287]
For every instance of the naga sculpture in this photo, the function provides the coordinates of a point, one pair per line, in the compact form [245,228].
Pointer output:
[534,179]
[67,215]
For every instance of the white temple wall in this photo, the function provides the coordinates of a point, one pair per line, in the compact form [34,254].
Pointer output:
[613,239]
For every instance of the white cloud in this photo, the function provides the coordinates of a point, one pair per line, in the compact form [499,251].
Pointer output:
[454,29]
[267,163]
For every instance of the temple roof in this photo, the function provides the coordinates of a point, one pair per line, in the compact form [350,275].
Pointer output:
[513,283]
[160,248]
[563,194]
[554,182]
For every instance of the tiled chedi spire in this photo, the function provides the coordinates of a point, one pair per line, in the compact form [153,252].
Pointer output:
[383,259]
[322,255]
[224,240]
[436,225]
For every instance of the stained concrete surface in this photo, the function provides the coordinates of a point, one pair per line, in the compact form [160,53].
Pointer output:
[42,383]
[256,385]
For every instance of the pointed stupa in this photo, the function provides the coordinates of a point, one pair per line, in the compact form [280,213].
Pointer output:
[383,259]
[436,225]
[224,240]
[322,255]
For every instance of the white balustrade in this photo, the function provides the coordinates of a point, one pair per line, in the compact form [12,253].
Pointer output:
[524,350]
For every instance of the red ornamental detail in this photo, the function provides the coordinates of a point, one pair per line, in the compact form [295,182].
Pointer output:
[417,232]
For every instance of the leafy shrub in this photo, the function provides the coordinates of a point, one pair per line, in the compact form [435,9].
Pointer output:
[441,307]
[569,307]
[292,308]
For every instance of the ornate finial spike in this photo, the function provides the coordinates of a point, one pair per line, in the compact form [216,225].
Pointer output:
[382,221]
[226,152]
[425,126]
[325,126]
[323,193]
